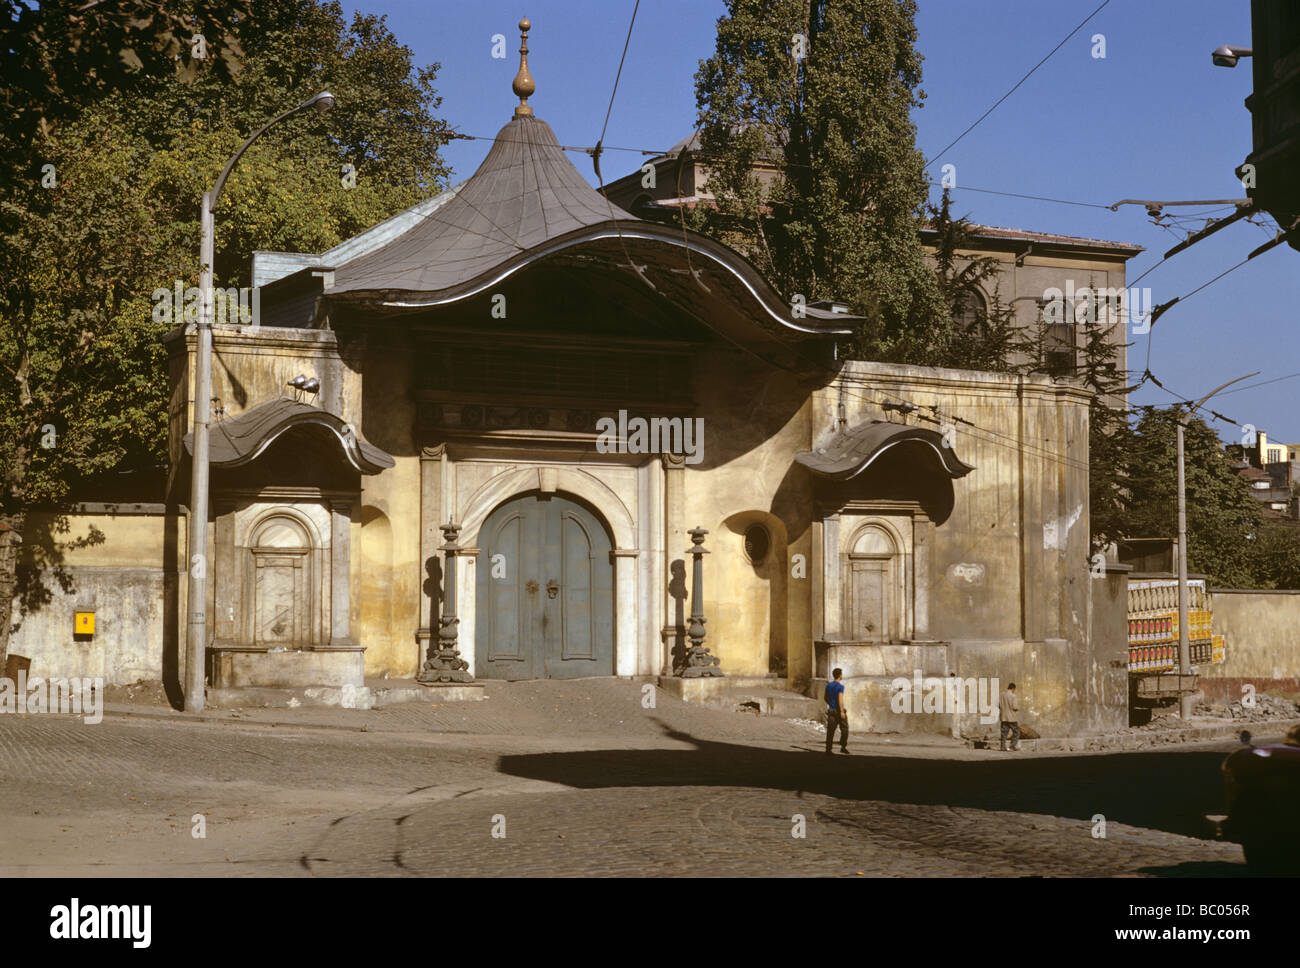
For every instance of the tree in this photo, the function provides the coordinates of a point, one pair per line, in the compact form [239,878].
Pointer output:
[59,55]
[1224,522]
[1278,556]
[805,118]
[982,339]
[83,383]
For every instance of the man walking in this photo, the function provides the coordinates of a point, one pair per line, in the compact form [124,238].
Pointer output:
[836,714]
[1008,709]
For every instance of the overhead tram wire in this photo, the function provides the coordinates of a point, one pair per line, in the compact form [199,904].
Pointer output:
[1037,198]
[1163,307]
[1248,386]
[599,149]
[1189,402]
[1032,70]
[596,152]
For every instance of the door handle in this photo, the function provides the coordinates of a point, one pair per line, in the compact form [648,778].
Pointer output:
[552,588]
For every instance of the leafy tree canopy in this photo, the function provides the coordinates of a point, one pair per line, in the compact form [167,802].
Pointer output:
[105,208]
[805,118]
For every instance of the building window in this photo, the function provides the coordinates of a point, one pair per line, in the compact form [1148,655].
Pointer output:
[757,543]
[970,311]
[1274,455]
[1059,350]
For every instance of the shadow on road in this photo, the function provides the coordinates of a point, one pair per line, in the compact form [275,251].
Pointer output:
[1170,791]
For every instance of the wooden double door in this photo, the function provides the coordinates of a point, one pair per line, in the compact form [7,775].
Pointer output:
[545,592]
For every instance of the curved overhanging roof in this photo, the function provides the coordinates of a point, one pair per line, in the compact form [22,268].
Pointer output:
[852,451]
[527,204]
[242,439]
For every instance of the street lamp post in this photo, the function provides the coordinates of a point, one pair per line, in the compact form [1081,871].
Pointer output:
[1184,637]
[197,627]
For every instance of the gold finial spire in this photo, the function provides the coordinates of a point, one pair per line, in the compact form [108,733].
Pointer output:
[524,85]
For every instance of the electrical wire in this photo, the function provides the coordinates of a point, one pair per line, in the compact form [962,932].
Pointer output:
[618,76]
[940,154]
[1037,198]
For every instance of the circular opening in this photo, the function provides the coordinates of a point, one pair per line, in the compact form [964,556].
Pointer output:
[757,543]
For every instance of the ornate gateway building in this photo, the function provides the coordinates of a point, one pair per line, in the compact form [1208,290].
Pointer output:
[520,405]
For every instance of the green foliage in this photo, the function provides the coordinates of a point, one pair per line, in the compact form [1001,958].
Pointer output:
[987,343]
[813,161]
[62,54]
[1278,556]
[133,149]
[78,346]
[1225,524]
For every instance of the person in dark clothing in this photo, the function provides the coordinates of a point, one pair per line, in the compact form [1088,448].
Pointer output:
[1009,711]
[836,714]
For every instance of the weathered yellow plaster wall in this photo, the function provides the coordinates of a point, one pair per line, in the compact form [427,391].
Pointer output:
[123,577]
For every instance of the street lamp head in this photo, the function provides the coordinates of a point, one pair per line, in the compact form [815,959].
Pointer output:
[322,102]
[1227,55]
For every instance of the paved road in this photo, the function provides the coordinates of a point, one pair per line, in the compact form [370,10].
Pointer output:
[676,791]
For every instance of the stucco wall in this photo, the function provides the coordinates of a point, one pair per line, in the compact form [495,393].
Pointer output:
[1261,631]
[755,420]
[1008,581]
[387,626]
[122,577]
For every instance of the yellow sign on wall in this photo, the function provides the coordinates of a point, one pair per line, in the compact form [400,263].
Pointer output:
[85,623]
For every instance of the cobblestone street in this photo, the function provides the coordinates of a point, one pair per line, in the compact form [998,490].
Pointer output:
[581,780]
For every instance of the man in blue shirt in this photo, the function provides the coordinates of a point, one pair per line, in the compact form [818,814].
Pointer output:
[836,714]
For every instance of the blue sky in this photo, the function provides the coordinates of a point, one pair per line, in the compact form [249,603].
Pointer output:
[1153,120]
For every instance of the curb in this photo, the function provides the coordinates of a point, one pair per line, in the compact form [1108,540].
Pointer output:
[182,717]
[1122,741]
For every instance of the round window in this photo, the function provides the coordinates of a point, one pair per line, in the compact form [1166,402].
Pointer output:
[757,543]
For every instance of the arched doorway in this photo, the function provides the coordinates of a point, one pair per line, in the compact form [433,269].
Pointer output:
[545,592]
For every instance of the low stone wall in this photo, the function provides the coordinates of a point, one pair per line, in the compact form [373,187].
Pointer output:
[1261,631]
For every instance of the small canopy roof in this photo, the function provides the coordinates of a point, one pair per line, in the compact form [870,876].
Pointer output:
[852,451]
[241,440]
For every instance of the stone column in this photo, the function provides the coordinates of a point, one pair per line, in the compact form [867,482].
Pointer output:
[673,632]
[625,638]
[832,607]
[226,580]
[467,607]
[816,579]
[922,539]
[341,573]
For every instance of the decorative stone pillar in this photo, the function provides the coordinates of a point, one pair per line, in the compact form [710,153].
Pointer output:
[226,578]
[831,604]
[699,662]
[625,623]
[922,535]
[446,665]
[340,574]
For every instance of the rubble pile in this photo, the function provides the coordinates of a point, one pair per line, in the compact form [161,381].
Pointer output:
[1264,707]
